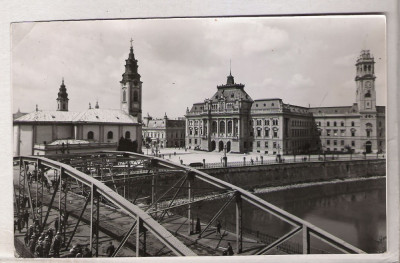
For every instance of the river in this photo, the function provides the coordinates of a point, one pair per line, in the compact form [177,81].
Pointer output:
[353,211]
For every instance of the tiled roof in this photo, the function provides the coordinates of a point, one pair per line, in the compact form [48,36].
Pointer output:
[88,116]
[334,110]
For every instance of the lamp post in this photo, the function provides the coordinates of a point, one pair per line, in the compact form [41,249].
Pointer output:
[225,159]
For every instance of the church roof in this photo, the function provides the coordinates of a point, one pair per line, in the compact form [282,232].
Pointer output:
[87,116]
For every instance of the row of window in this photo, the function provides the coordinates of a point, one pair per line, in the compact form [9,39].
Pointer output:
[335,142]
[267,133]
[300,132]
[157,135]
[266,122]
[110,135]
[301,123]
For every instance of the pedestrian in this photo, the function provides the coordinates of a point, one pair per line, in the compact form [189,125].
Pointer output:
[110,249]
[218,228]
[32,244]
[57,245]
[46,247]
[198,225]
[26,238]
[252,161]
[19,223]
[56,224]
[39,249]
[86,253]
[229,250]
[26,218]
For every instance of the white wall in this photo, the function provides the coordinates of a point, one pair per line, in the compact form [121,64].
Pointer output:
[114,130]
[94,128]
[26,144]
[64,131]
[43,133]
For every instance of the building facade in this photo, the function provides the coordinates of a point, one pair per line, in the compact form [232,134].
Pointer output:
[231,120]
[165,132]
[38,132]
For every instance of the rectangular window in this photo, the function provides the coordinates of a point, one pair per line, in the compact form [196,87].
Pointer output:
[195,141]
[328,124]
[259,133]
[342,132]
[334,142]
[275,134]
[328,132]
[353,134]
[258,144]
[335,132]
[266,144]
[342,142]
[368,133]
[353,143]
[274,145]
[266,133]
[190,141]
[328,142]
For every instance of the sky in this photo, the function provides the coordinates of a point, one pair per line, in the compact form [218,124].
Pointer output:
[302,60]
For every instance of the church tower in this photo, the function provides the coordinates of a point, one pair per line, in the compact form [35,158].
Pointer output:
[62,99]
[131,87]
[365,79]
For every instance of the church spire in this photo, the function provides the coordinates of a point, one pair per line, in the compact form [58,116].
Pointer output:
[62,99]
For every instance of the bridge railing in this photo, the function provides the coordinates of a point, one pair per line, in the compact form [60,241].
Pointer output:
[97,189]
[299,225]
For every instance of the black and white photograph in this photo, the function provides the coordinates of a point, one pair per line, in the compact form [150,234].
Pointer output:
[213,136]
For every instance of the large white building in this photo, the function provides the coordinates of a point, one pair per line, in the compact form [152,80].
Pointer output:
[93,129]
[231,120]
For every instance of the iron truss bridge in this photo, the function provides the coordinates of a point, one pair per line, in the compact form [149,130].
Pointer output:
[149,191]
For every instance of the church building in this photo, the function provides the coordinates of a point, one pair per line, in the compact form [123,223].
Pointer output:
[60,131]
[234,122]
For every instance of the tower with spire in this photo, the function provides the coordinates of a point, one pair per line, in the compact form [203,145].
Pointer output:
[131,87]
[62,99]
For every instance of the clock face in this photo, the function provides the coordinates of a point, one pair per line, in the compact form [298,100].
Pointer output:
[368,84]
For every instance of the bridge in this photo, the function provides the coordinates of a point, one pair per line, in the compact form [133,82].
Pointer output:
[158,200]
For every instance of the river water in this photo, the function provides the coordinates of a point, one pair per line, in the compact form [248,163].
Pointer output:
[352,211]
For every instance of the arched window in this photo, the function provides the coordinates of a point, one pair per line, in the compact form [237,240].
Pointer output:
[90,135]
[334,123]
[214,126]
[109,135]
[352,123]
[368,94]
[229,126]
[127,135]
[124,96]
[222,127]
[135,96]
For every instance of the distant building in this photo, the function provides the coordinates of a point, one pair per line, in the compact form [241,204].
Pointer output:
[43,132]
[18,114]
[231,120]
[165,132]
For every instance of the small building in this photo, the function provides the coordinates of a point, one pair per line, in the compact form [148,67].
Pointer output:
[164,132]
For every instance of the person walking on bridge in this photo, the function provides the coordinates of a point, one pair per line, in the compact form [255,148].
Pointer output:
[218,232]
[110,250]
[26,218]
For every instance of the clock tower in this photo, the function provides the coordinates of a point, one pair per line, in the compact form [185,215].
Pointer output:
[131,87]
[365,80]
